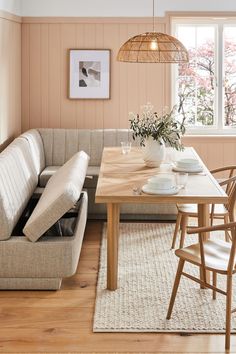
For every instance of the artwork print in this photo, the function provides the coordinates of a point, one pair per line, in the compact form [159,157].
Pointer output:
[89,74]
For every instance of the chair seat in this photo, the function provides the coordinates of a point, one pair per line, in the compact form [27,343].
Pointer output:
[216,254]
[191,209]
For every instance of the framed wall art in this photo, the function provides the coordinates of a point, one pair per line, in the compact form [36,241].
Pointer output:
[89,73]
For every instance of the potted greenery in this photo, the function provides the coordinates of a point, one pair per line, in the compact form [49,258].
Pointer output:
[155,131]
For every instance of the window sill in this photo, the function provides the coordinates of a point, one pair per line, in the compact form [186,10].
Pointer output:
[231,132]
[209,137]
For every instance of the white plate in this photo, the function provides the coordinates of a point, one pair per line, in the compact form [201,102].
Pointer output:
[188,170]
[187,163]
[148,190]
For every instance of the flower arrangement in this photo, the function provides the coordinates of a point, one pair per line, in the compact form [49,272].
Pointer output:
[162,128]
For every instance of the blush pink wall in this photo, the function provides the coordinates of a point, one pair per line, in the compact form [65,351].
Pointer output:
[10,77]
[215,151]
[45,44]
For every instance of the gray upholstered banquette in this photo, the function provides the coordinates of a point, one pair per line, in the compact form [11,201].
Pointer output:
[25,168]
[60,144]
[24,264]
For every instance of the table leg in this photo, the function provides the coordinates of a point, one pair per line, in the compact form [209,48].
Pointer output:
[204,220]
[113,218]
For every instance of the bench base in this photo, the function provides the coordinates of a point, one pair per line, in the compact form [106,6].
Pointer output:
[30,283]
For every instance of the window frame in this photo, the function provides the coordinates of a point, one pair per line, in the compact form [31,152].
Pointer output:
[219,22]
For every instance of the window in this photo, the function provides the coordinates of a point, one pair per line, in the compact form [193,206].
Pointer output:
[205,88]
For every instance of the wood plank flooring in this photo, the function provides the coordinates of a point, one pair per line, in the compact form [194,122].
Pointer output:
[61,321]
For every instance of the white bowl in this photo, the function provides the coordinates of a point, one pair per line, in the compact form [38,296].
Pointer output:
[160,183]
[187,163]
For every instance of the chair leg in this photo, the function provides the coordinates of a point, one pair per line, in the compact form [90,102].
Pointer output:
[184,224]
[175,287]
[227,236]
[212,216]
[228,311]
[214,275]
[177,225]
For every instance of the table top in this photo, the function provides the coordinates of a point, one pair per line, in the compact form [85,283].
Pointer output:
[120,174]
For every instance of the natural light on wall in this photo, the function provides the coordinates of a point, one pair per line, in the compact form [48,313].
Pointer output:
[205,88]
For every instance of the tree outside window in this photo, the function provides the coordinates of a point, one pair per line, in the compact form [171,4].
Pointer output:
[230,76]
[209,75]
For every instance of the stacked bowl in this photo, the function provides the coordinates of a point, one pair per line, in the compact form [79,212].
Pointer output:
[161,184]
[188,165]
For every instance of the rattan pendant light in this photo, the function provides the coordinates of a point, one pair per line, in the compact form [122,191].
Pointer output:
[153,47]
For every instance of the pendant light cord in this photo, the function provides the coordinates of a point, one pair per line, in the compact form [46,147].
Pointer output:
[153,25]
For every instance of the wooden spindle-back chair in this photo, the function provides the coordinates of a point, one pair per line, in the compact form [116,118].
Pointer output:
[218,211]
[210,255]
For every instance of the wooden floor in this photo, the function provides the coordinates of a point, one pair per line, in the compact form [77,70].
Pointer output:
[61,321]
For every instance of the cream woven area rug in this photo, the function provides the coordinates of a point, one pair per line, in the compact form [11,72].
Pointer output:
[147,270]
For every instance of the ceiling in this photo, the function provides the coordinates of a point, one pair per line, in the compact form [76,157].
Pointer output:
[111,8]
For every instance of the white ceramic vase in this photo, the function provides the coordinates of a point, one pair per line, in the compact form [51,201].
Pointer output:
[153,152]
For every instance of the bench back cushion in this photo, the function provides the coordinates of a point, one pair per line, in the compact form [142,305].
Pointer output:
[18,179]
[37,150]
[61,144]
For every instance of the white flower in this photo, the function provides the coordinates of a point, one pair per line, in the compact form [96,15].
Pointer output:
[164,127]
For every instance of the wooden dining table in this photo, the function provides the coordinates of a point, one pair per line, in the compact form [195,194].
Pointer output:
[120,182]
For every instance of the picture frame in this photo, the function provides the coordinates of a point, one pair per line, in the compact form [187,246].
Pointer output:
[89,73]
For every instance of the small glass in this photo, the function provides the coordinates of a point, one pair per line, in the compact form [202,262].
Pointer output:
[125,147]
[181,179]
[170,155]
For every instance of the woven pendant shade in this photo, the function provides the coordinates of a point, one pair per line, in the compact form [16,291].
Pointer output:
[153,47]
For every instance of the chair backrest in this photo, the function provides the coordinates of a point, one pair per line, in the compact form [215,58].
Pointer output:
[230,188]
[231,264]
[227,172]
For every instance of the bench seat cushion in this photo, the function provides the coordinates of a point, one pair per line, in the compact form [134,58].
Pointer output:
[48,172]
[61,193]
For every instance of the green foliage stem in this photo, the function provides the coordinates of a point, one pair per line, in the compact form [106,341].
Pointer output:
[165,128]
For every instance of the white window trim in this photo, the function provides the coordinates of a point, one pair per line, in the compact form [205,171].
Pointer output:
[218,128]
